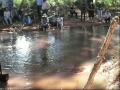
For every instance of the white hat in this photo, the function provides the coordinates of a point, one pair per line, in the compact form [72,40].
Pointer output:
[44,15]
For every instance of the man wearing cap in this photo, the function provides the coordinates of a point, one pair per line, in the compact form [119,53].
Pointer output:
[44,22]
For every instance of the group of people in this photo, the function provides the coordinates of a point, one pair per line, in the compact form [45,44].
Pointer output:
[46,20]
[101,13]
[5,15]
[90,9]
[54,20]
[8,16]
[104,15]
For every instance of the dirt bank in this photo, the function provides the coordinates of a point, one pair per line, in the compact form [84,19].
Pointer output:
[67,23]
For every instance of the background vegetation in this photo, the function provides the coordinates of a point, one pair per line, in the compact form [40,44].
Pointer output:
[107,3]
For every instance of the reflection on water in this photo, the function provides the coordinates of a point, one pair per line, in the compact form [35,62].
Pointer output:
[38,52]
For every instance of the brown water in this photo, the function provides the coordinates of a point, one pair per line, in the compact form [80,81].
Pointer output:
[42,59]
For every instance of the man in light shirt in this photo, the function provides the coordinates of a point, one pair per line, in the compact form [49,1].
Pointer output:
[45,7]
[60,22]
[7,16]
[107,16]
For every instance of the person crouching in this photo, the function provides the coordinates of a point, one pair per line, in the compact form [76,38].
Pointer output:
[27,19]
[107,16]
[44,22]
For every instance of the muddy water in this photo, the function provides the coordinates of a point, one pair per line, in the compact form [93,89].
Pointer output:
[30,56]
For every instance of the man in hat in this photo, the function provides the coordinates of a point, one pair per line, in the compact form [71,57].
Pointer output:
[44,22]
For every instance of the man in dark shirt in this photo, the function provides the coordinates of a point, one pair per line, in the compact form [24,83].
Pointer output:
[73,12]
[39,8]
[1,14]
[91,11]
[83,11]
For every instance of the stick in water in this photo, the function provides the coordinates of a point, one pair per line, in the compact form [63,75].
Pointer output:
[102,52]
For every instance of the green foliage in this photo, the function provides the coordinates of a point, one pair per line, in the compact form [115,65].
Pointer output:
[109,2]
[63,2]
[53,2]
[17,3]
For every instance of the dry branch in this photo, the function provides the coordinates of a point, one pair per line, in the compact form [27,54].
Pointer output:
[102,52]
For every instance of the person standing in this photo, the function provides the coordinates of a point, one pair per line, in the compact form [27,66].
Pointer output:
[83,12]
[73,12]
[91,12]
[60,22]
[7,16]
[1,14]
[9,5]
[39,8]
[45,7]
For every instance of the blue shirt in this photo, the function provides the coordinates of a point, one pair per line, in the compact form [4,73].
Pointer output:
[39,2]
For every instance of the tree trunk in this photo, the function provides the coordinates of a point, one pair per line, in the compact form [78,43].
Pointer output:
[21,4]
